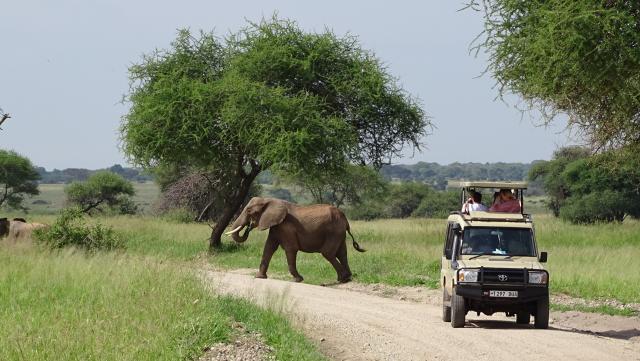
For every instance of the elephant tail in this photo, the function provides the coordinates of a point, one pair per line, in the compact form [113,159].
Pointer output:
[355,244]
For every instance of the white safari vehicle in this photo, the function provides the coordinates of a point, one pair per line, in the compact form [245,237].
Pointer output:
[490,261]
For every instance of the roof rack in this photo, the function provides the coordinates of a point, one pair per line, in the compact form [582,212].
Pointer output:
[497,217]
[486,184]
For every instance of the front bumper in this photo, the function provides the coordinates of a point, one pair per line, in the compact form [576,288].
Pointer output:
[480,292]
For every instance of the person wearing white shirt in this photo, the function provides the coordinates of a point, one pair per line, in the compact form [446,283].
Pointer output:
[474,203]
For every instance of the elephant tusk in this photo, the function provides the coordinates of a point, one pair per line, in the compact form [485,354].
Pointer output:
[235,230]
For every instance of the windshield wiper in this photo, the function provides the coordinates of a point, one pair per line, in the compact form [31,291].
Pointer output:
[478,255]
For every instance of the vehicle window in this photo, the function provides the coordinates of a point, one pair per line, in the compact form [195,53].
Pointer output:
[498,241]
[448,243]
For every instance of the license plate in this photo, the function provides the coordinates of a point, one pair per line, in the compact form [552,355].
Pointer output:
[509,294]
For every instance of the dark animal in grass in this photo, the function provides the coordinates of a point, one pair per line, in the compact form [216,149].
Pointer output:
[317,228]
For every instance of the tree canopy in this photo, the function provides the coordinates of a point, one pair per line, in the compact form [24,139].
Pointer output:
[587,189]
[18,178]
[268,97]
[102,189]
[575,57]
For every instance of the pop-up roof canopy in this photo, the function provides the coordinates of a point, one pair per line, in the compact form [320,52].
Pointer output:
[466,186]
[487,184]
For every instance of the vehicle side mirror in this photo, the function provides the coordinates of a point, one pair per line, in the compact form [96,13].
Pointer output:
[543,257]
[457,228]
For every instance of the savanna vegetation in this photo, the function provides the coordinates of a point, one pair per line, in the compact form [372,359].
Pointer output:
[319,116]
[578,59]
[587,261]
[66,305]
[270,96]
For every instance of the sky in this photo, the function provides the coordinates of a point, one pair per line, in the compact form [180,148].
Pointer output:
[63,72]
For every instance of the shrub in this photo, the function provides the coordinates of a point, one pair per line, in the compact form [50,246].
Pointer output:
[437,204]
[604,206]
[69,229]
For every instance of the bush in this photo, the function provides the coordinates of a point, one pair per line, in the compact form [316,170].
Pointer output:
[437,204]
[69,229]
[605,206]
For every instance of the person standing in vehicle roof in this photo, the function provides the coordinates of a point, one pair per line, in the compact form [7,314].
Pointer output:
[507,203]
[474,203]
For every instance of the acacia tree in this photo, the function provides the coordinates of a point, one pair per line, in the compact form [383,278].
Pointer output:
[575,57]
[18,178]
[268,97]
[102,189]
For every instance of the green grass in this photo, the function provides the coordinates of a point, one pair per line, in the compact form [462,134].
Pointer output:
[603,309]
[592,262]
[111,306]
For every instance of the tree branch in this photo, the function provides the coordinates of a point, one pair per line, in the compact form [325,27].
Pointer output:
[4,117]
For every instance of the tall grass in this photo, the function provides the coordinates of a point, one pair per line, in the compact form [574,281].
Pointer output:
[69,306]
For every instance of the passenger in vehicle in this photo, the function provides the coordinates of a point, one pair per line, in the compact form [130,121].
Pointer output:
[507,203]
[481,244]
[474,203]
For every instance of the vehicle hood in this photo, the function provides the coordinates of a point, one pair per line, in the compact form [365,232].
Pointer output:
[500,262]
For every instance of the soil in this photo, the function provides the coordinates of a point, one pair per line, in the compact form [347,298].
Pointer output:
[379,322]
[247,346]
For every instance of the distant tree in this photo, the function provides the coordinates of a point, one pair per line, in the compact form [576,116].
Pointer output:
[405,198]
[269,97]
[351,186]
[604,187]
[102,189]
[575,57]
[586,189]
[551,175]
[438,204]
[18,177]
[281,193]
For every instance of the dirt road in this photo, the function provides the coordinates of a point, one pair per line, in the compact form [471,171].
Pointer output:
[351,325]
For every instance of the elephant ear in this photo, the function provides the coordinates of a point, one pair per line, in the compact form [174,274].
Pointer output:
[273,214]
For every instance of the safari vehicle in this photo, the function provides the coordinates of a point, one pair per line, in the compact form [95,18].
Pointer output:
[490,262]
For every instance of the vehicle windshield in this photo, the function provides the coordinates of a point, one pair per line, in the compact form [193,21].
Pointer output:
[497,241]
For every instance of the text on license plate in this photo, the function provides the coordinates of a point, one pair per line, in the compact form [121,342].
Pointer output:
[511,294]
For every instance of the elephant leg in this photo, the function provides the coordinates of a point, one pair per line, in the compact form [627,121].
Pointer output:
[291,261]
[340,270]
[342,257]
[269,248]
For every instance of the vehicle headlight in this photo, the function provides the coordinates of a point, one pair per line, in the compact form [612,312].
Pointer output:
[538,277]
[468,275]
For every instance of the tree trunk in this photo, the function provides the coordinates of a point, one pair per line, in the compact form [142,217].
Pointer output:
[231,208]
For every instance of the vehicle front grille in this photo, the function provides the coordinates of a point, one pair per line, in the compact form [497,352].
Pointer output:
[497,275]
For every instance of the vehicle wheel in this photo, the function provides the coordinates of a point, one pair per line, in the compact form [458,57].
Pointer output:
[458,311]
[542,313]
[446,310]
[522,318]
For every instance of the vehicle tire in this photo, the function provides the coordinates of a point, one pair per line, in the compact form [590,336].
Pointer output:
[522,318]
[542,313]
[446,310]
[458,310]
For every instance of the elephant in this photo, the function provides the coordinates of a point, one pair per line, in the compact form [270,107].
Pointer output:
[316,228]
[18,228]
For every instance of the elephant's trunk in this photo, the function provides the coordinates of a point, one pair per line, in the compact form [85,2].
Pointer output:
[239,239]
[238,226]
